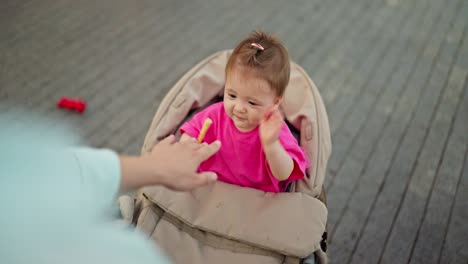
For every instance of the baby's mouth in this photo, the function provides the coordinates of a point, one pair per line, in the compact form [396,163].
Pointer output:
[239,118]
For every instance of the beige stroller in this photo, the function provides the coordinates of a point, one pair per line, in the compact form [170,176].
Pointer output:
[223,223]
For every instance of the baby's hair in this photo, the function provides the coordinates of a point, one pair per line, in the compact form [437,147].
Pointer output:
[266,56]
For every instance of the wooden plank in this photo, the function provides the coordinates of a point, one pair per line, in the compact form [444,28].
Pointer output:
[108,48]
[391,182]
[342,31]
[348,226]
[374,148]
[121,56]
[337,60]
[293,35]
[336,17]
[32,43]
[344,179]
[356,82]
[407,223]
[300,38]
[455,249]
[428,246]
[31,16]
[434,225]
[129,86]
[76,66]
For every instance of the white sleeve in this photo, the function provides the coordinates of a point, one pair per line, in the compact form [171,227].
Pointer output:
[99,174]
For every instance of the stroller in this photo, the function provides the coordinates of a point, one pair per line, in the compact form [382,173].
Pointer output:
[223,223]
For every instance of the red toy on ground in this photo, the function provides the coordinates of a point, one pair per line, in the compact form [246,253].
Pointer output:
[77,105]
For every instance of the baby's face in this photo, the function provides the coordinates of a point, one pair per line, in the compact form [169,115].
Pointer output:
[247,98]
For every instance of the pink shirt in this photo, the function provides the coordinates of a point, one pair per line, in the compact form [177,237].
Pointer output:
[241,159]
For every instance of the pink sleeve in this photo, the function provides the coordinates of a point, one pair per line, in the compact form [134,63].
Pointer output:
[292,147]
[194,125]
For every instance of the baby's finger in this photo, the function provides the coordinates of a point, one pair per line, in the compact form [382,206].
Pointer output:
[277,115]
[267,115]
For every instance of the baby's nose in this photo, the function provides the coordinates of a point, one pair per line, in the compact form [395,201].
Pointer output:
[239,107]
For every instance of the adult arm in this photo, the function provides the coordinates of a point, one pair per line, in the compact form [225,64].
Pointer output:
[170,163]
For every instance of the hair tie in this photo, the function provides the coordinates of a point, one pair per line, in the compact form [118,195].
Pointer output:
[257,46]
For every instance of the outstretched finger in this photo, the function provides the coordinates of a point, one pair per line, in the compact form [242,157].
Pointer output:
[191,144]
[206,151]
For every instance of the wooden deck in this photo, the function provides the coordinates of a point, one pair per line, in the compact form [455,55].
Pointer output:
[393,75]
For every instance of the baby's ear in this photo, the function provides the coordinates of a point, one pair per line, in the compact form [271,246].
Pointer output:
[278,100]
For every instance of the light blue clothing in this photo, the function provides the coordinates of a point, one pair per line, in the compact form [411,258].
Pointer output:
[56,199]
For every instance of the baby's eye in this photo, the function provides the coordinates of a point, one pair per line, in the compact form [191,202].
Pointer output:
[252,103]
[232,96]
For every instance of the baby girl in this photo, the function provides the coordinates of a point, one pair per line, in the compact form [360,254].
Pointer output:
[258,149]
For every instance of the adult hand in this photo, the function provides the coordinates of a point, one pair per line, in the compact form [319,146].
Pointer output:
[170,163]
[177,162]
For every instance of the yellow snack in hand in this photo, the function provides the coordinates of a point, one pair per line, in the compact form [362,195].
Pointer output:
[205,127]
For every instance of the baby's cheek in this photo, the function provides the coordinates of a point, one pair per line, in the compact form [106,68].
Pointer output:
[256,119]
[259,115]
[227,105]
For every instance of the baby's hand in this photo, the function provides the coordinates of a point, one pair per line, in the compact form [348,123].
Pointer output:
[270,126]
